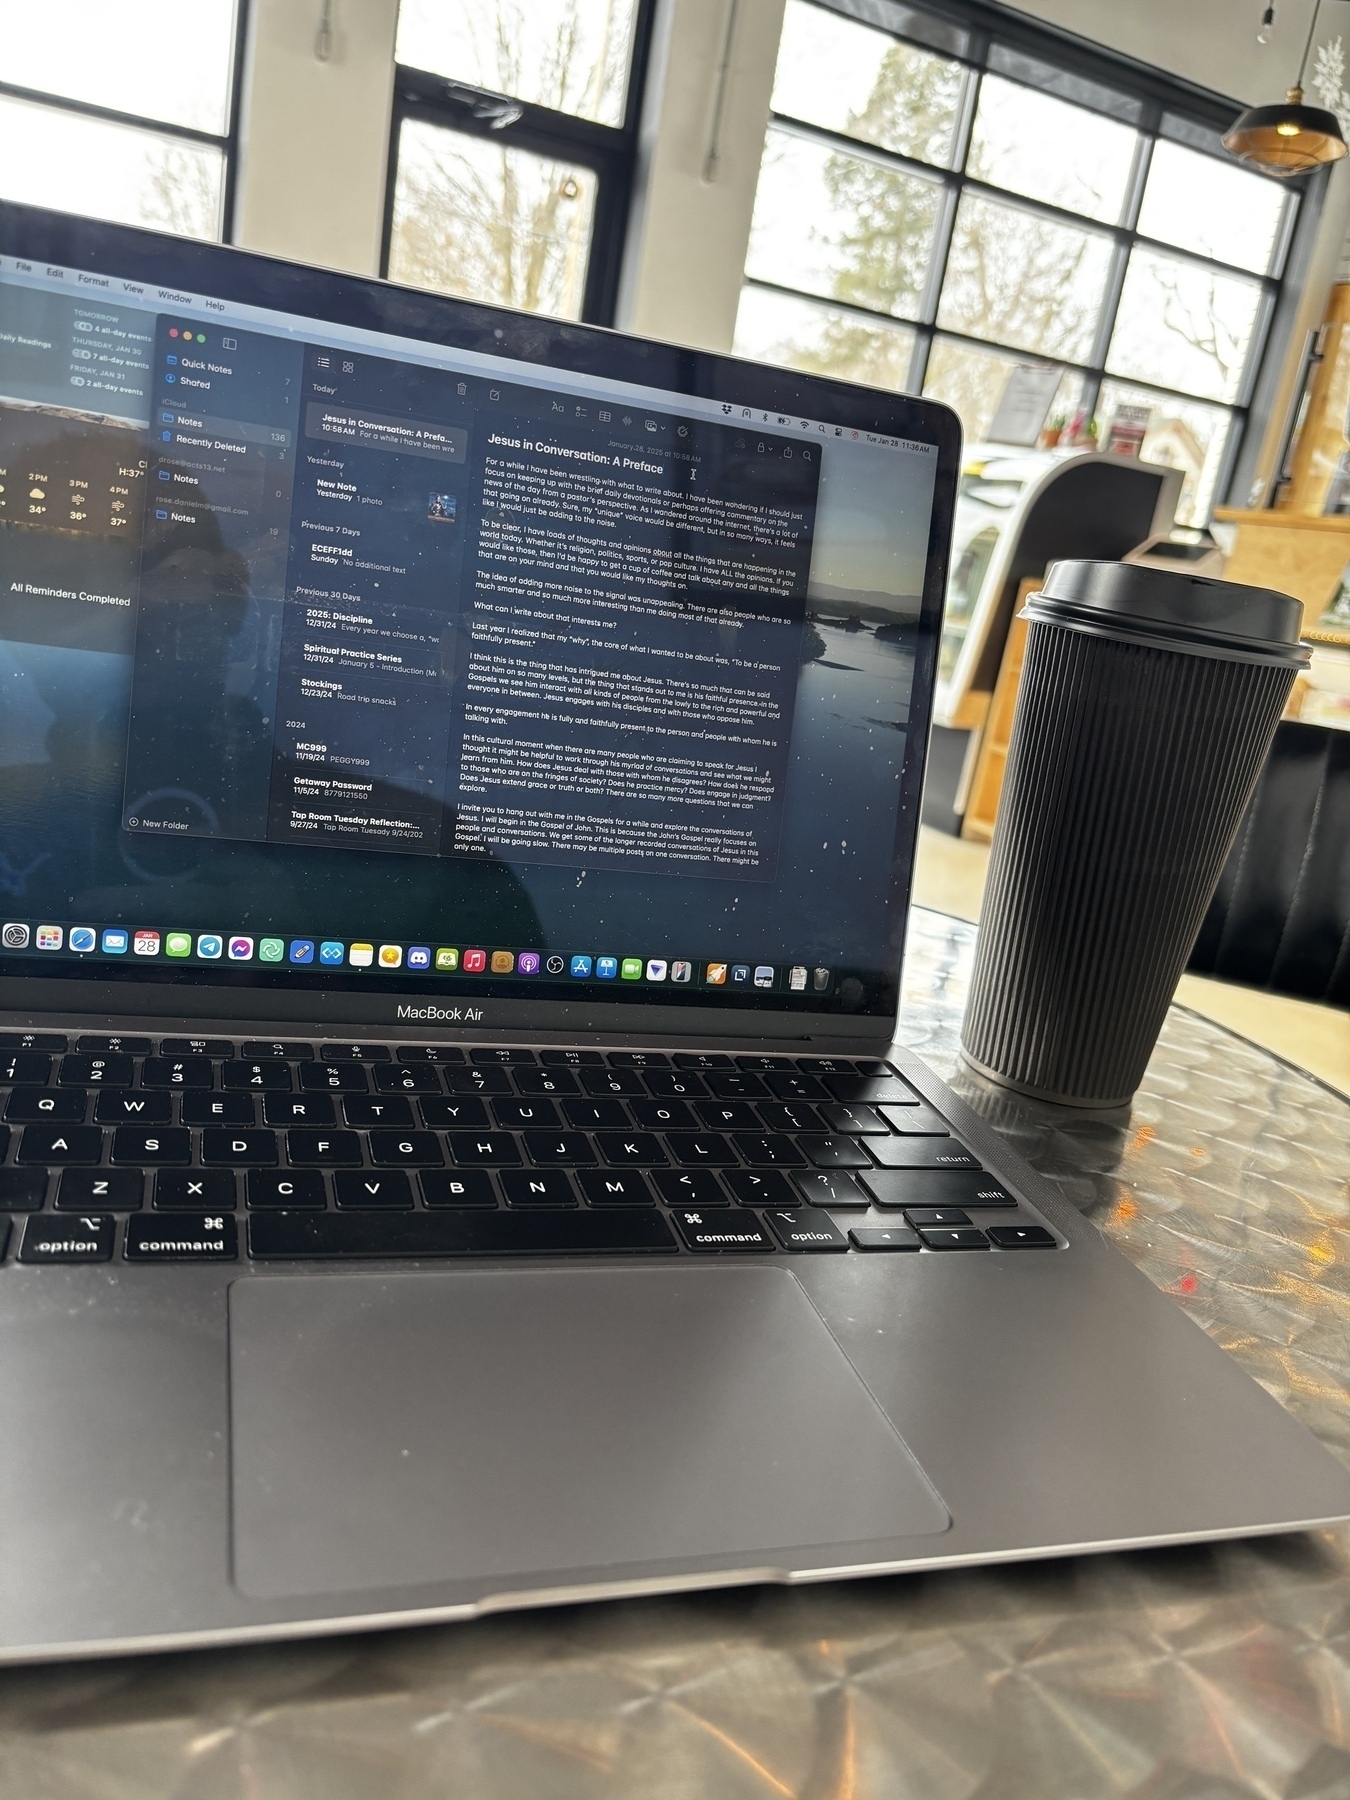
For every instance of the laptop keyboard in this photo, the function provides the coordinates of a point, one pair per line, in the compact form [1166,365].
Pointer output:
[206,1149]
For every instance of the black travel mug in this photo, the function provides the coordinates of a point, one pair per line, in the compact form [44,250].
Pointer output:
[1147,706]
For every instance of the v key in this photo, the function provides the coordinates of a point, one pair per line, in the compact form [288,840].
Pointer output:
[366,1187]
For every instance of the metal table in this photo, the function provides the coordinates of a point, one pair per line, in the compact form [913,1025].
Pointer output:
[1199,1674]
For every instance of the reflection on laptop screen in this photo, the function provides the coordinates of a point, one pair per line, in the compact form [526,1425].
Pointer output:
[330,655]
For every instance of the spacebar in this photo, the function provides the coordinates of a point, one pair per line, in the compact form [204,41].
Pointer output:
[297,1234]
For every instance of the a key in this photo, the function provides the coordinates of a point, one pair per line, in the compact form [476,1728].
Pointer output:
[834,1152]
[375,1109]
[537,1187]
[22,1190]
[697,1148]
[761,1187]
[258,1076]
[241,1148]
[194,1190]
[613,1187]
[288,1109]
[804,1228]
[596,1115]
[59,1145]
[177,1072]
[935,1187]
[361,1053]
[834,1188]
[958,1237]
[719,1231]
[885,1237]
[190,1238]
[135,1108]
[689,1187]
[217,1109]
[23,1068]
[772,1148]
[181,1046]
[403,1078]
[457,1187]
[484,1149]
[334,1078]
[541,1231]
[563,1149]
[53,1238]
[455,1114]
[1021,1237]
[405,1149]
[525,1115]
[95,1044]
[640,1149]
[96,1071]
[60,1106]
[285,1187]
[328,1149]
[100,1190]
[371,1187]
[157,1144]
[921,1153]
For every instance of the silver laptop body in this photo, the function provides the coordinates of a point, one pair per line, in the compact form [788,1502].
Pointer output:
[459,779]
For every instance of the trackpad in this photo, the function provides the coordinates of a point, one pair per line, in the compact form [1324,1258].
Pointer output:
[391,1431]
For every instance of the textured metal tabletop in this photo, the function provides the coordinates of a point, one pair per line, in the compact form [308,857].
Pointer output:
[1180,1675]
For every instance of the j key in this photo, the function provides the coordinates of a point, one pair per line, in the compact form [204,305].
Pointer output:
[885,1237]
[571,1059]
[334,1077]
[525,1115]
[33,1040]
[960,1237]
[431,1053]
[638,1059]
[805,1228]
[170,1144]
[286,1187]
[478,1081]
[795,1087]
[741,1086]
[177,1071]
[862,1121]
[915,1121]
[1021,1237]
[761,1063]
[135,1108]
[727,1115]
[196,1190]
[454,1114]
[204,1239]
[525,1232]
[772,1149]
[545,1081]
[265,1075]
[830,1187]
[100,1190]
[279,1050]
[457,1187]
[367,1187]
[761,1187]
[288,1109]
[94,1044]
[679,1085]
[921,1153]
[405,1149]
[613,1081]
[215,1047]
[364,1053]
[503,1055]
[662,1115]
[835,1152]
[537,1187]
[871,1090]
[689,1187]
[328,1148]
[702,1059]
[701,1147]
[566,1149]
[613,1187]
[60,1144]
[22,1190]
[636,1148]
[375,1109]
[216,1109]
[719,1231]
[402,1078]
[935,1187]
[97,1071]
[595,1115]
[52,1239]
[792,1115]
[29,1106]
[22,1068]
[239,1148]
[936,1215]
[483,1148]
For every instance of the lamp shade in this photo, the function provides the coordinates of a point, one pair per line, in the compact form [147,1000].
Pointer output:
[1288,139]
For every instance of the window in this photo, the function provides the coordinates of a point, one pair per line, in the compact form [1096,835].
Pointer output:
[940,201]
[123,109]
[515,125]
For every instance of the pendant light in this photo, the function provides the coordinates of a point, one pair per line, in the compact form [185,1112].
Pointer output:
[1291,138]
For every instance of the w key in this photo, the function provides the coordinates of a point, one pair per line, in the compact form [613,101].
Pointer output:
[133,1109]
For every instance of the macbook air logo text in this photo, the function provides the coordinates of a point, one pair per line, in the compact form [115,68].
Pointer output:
[468,1015]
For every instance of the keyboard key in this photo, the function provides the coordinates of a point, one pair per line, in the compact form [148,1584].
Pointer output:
[660,1115]
[177,1072]
[834,1152]
[286,1187]
[701,1147]
[1021,1237]
[328,1149]
[24,1068]
[727,1115]
[761,1063]
[33,1040]
[263,1075]
[795,1087]
[454,1114]
[613,1081]
[95,1044]
[282,1050]
[545,1081]
[30,1106]
[702,1059]
[362,1053]
[871,1090]
[458,1187]
[96,1071]
[366,1187]
[375,1109]
[218,1109]
[830,1187]
[956,1237]
[483,1148]
[689,1187]
[478,1081]
[116,1107]
[805,1228]
[59,1145]
[525,1115]
[537,1187]
[679,1084]
[872,1065]
[740,1086]
[790,1115]
[205,1238]
[100,1190]
[922,1153]
[855,1121]
[240,1148]
[596,1115]
[936,1215]
[638,1059]
[915,1121]
[405,1149]
[631,1148]
[541,1232]
[157,1144]
[334,1078]
[885,1237]
[935,1187]
[563,1149]
[613,1187]
[772,1148]
[400,1078]
[53,1239]
[761,1187]
[283,1109]
[196,1190]
[825,1065]
[432,1053]
[214,1047]
[22,1190]
[571,1059]
[505,1055]
[720,1231]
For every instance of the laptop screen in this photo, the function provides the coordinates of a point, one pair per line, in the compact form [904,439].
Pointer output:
[359,640]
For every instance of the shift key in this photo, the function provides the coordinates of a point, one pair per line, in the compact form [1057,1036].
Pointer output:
[934,1187]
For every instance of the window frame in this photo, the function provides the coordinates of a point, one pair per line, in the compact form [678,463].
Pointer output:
[227,142]
[610,151]
[976,27]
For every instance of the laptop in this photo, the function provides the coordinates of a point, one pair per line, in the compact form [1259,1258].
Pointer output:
[461,777]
